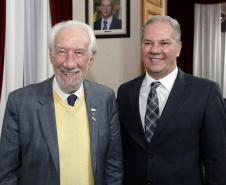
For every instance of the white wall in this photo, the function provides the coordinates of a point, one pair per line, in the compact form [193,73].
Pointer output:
[118,59]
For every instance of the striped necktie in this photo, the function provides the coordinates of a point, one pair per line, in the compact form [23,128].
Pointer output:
[152,111]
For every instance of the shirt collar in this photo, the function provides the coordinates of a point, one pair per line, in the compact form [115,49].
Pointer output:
[167,81]
[108,20]
[64,95]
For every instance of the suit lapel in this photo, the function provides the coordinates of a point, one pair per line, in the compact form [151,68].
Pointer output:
[179,92]
[93,117]
[48,122]
[134,104]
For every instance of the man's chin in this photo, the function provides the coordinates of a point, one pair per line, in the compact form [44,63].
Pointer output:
[68,89]
[69,86]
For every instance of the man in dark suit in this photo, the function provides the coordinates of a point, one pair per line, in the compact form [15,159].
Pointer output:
[64,130]
[108,21]
[173,124]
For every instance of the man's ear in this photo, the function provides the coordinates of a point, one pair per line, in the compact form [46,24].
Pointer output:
[179,46]
[91,61]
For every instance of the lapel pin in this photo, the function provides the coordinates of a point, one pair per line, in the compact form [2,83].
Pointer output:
[93,113]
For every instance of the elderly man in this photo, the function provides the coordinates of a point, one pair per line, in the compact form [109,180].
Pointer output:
[173,124]
[65,130]
[108,21]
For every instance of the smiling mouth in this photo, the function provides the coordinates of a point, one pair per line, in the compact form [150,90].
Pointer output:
[69,73]
[155,60]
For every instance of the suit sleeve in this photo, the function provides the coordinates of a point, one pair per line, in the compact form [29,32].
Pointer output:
[10,149]
[213,138]
[114,164]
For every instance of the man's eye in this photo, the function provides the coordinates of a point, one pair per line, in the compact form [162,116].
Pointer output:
[61,52]
[164,43]
[79,53]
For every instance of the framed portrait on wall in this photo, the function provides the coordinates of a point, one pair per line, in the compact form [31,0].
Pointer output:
[108,20]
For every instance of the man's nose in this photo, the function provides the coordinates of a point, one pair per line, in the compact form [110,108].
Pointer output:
[155,49]
[70,61]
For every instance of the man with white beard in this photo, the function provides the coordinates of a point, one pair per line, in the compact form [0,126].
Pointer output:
[65,130]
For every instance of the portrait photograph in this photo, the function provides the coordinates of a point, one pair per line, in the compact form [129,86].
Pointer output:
[109,18]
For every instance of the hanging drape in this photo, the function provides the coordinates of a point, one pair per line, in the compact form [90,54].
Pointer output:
[207,43]
[26,59]
[14,49]
[223,60]
[61,10]
[26,52]
[2,40]
[37,25]
[183,11]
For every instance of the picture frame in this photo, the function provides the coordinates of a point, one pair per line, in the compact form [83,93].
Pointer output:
[121,11]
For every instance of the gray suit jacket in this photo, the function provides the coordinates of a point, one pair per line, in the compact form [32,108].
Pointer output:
[29,147]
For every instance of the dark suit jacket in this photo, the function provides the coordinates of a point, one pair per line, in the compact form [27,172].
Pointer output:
[115,24]
[29,149]
[191,131]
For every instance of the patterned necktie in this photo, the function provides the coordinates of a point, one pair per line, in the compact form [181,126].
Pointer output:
[71,99]
[105,25]
[152,111]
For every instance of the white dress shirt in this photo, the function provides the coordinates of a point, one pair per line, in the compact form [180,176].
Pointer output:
[64,95]
[163,91]
[109,20]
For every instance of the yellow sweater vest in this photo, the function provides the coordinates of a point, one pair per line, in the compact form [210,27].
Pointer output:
[74,142]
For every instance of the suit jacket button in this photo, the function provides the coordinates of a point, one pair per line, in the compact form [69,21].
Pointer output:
[150,154]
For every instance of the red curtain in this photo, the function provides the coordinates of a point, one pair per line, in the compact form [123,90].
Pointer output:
[61,10]
[2,39]
[183,12]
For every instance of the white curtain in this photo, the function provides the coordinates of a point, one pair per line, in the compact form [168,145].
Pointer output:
[26,53]
[207,62]
[223,60]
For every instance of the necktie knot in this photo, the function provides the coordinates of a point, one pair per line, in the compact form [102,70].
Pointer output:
[71,99]
[154,85]
[105,25]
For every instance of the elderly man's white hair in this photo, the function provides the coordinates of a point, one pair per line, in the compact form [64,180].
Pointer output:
[56,28]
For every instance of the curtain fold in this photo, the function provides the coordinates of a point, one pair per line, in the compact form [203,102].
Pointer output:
[14,51]
[2,40]
[183,12]
[26,57]
[61,10]
[223,55]
[207,43]
[37,66]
